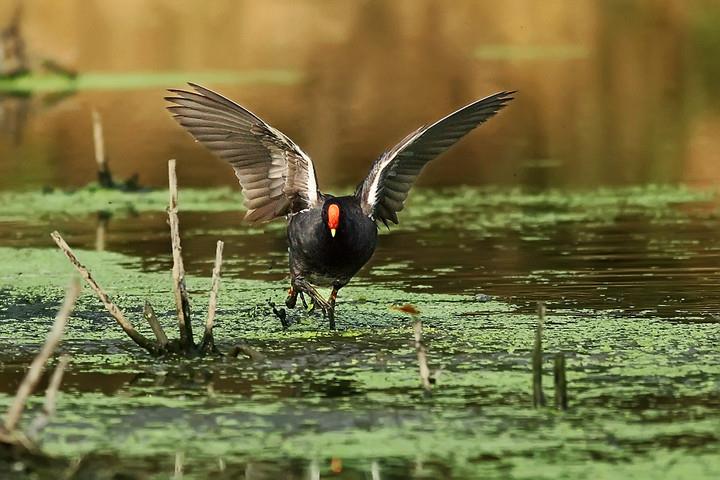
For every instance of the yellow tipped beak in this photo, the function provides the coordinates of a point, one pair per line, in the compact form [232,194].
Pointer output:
[332,232]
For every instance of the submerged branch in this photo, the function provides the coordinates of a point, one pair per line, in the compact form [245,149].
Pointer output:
[182,299]
[38,364]
[246,350]
[208,341]
[116,313]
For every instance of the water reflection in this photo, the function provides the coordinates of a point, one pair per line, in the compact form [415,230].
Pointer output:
[13,55]
[14,111]
[610,92]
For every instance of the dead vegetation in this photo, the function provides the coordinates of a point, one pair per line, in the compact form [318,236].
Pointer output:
[559,373]
[15,442]
[161,345]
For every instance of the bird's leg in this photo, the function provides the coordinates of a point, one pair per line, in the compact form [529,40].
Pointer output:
[331,309]
[302,298]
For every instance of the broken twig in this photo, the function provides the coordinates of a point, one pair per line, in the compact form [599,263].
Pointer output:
[182,299]
[116,313]
[208,341]
[151,318]
[537,358]
[38,364]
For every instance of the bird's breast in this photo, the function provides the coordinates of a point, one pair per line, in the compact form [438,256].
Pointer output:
[321,254]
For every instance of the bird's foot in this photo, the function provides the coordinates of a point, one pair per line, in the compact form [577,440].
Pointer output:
[327,307]
[321,304]
[291,299]
[281,314]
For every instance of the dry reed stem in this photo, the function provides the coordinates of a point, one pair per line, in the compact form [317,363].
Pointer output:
[182,300]
[104,175]
[116,313]
[179,465]
[421,355]
[101,231]
[537,358]
[208,342]
[98,141]
[38,364]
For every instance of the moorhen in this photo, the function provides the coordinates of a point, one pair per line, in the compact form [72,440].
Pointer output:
[330,238]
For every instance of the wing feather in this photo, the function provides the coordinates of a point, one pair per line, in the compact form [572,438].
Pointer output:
[383,192]
[277,177]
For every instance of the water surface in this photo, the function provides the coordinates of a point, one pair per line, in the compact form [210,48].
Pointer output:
[595,191]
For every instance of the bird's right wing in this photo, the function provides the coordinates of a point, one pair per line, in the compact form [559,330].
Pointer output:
[276,176]
[383,192]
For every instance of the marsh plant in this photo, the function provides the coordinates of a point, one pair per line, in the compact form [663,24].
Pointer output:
[161,345]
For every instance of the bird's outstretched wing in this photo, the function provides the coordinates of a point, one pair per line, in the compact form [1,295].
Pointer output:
[383,192]
[276,176]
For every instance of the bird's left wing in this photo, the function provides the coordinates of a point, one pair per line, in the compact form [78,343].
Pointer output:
[383,192]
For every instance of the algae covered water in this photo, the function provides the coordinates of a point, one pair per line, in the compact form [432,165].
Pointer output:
[629,276]
[594,192]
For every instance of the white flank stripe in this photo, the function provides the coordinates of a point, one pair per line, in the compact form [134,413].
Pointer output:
[311,185]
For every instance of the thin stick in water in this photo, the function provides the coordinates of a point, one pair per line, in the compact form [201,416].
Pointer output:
[38,364]
[103,218]
[538,395]
[561,400]
[421,355]
[116,313]
[179,464]
[182,299]
[103,170]
[208,341]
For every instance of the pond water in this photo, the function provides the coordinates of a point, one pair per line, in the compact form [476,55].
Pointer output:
[594,192]
[628,275]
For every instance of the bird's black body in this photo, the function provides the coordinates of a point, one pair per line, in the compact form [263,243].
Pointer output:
[329,238]
[320,258]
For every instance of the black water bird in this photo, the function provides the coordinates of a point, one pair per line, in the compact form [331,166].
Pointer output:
[330,238]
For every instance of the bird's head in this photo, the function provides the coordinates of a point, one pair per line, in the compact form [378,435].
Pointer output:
[331,217]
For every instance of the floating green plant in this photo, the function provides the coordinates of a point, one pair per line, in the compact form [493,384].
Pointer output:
[50,82]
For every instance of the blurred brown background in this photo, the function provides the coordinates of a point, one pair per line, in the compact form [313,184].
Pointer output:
[610,91]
